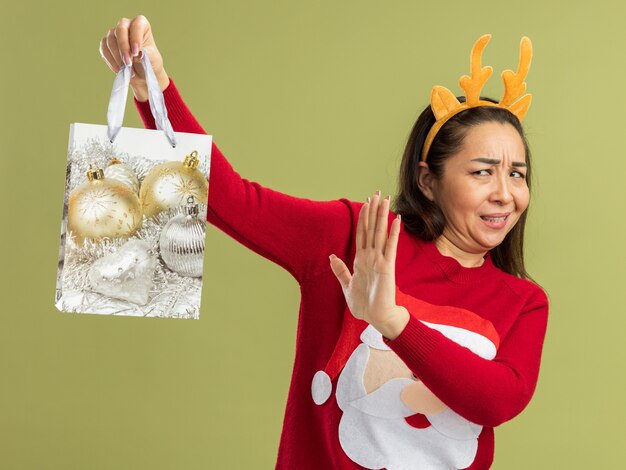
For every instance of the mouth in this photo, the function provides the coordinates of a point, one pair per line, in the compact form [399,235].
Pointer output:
[495,222]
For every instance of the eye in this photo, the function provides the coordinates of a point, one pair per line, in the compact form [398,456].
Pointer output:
[521,175]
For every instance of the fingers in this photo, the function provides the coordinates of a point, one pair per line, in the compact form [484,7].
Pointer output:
[371,219]
[138,31]
[372,227]
[380,232]
[111,41]
[391,245]
[361,227]
[376,222]
[123,44]
[341,271]
[107,56]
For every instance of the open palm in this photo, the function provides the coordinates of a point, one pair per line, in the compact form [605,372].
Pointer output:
[370,290]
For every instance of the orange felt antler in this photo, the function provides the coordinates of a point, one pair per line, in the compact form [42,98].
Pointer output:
[514,84]
[473,84]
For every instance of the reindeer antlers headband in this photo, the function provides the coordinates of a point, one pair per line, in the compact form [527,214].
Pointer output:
[445,105]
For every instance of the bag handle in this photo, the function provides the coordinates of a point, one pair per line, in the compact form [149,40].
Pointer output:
[119,94]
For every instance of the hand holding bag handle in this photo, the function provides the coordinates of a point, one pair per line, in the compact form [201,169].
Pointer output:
[119,94]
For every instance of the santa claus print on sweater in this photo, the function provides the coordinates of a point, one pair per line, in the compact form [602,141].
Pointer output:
[390,418]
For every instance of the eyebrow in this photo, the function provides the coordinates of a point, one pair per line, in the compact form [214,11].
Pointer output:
[493,161]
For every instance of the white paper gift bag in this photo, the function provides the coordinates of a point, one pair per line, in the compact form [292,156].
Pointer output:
[134,214]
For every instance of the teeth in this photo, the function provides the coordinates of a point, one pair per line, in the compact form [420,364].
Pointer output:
[494,219]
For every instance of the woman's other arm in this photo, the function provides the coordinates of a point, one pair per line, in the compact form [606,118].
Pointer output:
[486,392]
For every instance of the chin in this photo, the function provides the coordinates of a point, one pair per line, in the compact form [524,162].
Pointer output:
[491,242]
[492,246]
[488,238]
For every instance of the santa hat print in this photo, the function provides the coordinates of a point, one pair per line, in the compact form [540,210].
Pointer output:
[460,325]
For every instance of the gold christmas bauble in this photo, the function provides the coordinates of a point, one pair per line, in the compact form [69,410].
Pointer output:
[168,185]
[103,208]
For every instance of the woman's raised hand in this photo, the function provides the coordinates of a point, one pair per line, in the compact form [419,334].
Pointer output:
[370,291]
[122,44]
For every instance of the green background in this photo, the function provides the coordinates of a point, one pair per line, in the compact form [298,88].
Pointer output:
[314,99]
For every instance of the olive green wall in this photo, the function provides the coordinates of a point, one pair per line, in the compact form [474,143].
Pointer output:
[314,99]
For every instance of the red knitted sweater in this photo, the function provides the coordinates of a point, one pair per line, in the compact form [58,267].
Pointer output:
[471,349]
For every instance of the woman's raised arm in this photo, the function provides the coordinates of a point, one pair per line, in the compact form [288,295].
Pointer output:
[297,233]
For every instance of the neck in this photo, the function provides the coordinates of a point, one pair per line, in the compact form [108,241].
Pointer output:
[465,259]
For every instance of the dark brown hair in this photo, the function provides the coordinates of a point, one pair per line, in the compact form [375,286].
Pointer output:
[423,217]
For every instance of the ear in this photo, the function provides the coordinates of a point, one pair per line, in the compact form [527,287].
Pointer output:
[426,181]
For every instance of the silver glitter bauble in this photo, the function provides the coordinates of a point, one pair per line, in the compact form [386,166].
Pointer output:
[122,172]
[127,274]
[182,241]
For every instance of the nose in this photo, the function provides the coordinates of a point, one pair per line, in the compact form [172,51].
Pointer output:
[501,191]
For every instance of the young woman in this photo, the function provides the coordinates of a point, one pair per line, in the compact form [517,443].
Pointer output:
[435,337]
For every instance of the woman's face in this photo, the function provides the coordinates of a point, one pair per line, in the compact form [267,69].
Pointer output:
[486,177]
